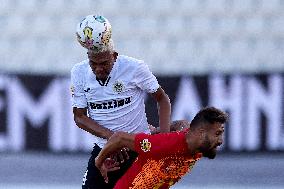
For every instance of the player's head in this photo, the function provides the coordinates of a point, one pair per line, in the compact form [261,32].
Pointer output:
[102,62]
[209,125]
[94,34]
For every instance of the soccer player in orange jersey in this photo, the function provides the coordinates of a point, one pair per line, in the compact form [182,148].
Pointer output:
[164,158]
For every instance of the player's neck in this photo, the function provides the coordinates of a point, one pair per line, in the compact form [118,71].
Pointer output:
[104,81]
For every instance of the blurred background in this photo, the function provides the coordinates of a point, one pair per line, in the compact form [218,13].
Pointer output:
[223,53]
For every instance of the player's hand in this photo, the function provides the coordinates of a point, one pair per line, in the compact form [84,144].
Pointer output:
[154,130]
[107,166]
[121,156]
[111,165]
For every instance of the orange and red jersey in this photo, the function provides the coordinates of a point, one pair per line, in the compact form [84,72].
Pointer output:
[163,159]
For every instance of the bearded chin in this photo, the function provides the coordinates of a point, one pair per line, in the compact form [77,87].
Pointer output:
[207,151]
[211,154]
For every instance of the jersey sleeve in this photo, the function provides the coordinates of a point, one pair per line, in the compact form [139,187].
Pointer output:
[79,99]
[145,79]
[160,145]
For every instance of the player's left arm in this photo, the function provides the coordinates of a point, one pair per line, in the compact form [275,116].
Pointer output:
[164,109]
[146,81]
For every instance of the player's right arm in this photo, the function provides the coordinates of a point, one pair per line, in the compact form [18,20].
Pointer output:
[79,103]
[146,145]
[163,144]
[84,122]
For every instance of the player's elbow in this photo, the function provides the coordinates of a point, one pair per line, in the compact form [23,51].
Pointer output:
[78,121]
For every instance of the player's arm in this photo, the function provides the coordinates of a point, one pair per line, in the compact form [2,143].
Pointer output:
[80,104]
[164,109]
[84,122]
[147,82]
[177,125]
[115,143]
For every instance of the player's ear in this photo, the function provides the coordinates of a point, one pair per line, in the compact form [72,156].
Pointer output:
[202,133]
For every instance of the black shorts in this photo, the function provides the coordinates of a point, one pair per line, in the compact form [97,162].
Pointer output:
[93,178]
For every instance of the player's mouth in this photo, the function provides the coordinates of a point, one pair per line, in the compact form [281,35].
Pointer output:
[101,75]
[216,146]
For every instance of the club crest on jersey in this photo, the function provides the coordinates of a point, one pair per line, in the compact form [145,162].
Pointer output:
[145,145]
[118,87]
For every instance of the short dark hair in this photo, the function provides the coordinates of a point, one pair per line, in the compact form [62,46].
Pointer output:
[209,115]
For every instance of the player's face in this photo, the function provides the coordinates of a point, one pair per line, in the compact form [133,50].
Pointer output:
[102,63]
[213,139]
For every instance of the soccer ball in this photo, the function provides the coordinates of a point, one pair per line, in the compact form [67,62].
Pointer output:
[93,32]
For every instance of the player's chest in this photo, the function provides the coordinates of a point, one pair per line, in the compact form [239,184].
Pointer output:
[112,88]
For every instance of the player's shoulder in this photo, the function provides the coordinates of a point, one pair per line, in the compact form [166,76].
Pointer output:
[128,61]
[80,67]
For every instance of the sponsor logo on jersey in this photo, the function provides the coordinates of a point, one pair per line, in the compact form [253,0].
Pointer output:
[118,87]
[145,145]
[109,104]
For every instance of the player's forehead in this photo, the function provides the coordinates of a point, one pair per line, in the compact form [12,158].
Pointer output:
[99,57]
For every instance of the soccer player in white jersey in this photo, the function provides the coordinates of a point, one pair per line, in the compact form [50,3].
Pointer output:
[107,96]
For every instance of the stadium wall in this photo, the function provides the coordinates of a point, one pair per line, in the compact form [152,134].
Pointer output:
[36,113]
